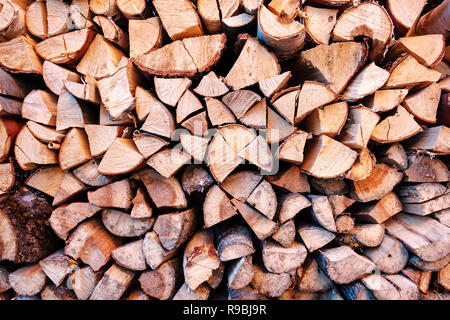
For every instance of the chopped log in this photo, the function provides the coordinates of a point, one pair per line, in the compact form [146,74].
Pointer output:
[312,96]
[211,85]
[261,226]
[429,266]
[435,21]
[200,258]
[273,85]
[427,49]
[405,71]
[420,278]
[122,225]
[406,288]
[89,175]
[290,180]
[45,20]
[313,279]
[4,282]
[141,207]
[425,169]
[6,176]
[170,91]
[395,156]
[332,186]
[343,265]
[83,281]
[290,205]
[427,207]
[233,242]
[443,217]
[87,90]
[424,236]
[57,266]
[80,14]
[240,185]
[443,278]
[115,162]
[316,67]
[44,133]
[145,35]
[55,76]
[74,149]
[154,252]
[101,8]
[367,235]
[194,55]
[91,243]
[187,105]
[284,8]
[356,291]
[40,106]
[404,14]
[278,259]
[114,195]
[339,203]
[241,23]
[209,12]
[13,86]
[68,216]
[159,120]
[423,104]
[328,120]
[218,113]
[285,235]
[216,207]
[269,284]
[28,280]
[112,32]
[250,6]
[130,256]
[228,8]
[164,192]
[114,283]
[369,20]
[168,161]
[388,206]
[162,282]
[185,293]
[385,100]
[361,124]
[314,237]
[13,20]
[101,137]
[344,223]
[10,107]
[291,150]
[359,86]
[196,179]
[194,146]
[320,23]
[327,158]
[67,48]
[362,167]
[283,35]
[381,288]
[278,128]
[432,139]
[222,159]
[240,101]
[381,181]
[51,292]
[68,189]
[240,273]
[18,56]
[419,193]
[242,74]
[30,152]
[174,229]
[70,113]
[149,144]
[264,199]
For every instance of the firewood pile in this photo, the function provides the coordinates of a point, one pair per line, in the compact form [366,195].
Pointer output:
[224,149]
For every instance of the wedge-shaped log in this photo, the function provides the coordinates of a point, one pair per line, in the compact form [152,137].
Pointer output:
[390,257]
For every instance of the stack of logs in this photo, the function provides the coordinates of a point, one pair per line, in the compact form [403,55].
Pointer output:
[229,149]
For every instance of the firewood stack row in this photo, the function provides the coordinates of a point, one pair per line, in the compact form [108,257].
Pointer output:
[229,149]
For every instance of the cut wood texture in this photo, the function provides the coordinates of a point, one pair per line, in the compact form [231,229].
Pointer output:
[224,149]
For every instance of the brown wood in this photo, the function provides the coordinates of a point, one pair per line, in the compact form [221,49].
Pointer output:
[18,56]
[405,14]
[285,235]
[154,253]
[320,23]
[425,169]
[233,242]
[69,188]
[291,180]
[162,282]
[269,284]
[240,273]
[433,139]
[217,207]
[28,280]
[435,21]
[83,281]
[113,284]
[174,229]
[114,162]
[314,236]
[367,235]
[386,207]
[327,120]
[57,266]
[290,205]
[385,100]
[122,225]
[313,279]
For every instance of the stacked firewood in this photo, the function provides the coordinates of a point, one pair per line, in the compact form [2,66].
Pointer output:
[229,149]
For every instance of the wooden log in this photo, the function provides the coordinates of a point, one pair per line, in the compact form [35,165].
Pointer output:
[314,236]
[196,179]
[435,21]
[13,20]
[359,87]
[162,282]
[67,217]
[240,101]
[174,229]
[340,203]
[328,120]
[356,291]
[425,169]
[114,283]
[312,96]
[130,256]
[87,90]
[320,23]
[18,56]
[388,206]
[211,86]
[131,8]
[283,35]
[240,23]
[108,9]
[278,128]
[291,150]
[261,226]
[83,281]
[395,155]
[385,100]
[263,198]
[269,284]
[194,55]
[429,266]
[234,242]
[285,235]
[423,104]
[159,120]
[185,293]
[404,15]
[427,49]
[433,139]
[444,278]
[51,292]
[241,74]
[332,186]
[55,76]
[344,223]
[91,243]
[216,207]
[80,14]
[380,287]
[74,149]
[367,235]
[240,185]
[194,145]
[67,48]
[89,175]
[7,176]
[115,195]
[200,258]
[313,279]
[407,289]
[240,273]
[4,281]
[70,113]
[290,205]
[322,212]
[187,105]
[279,259]
[155,254]
[273,85]
[144,35]
[148,144]
[114,162]
[343,265]
[28,280]
[122,225]
[362,167]
[333,158]
[57,266]
[40,106]
[168,161]
[427,207]
[443,217]
[419,278]
[416,233]
[26,236]
[419,193]
[209,12]
[141,207]
[290,180]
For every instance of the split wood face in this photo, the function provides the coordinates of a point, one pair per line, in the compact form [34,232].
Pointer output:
[227,149]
